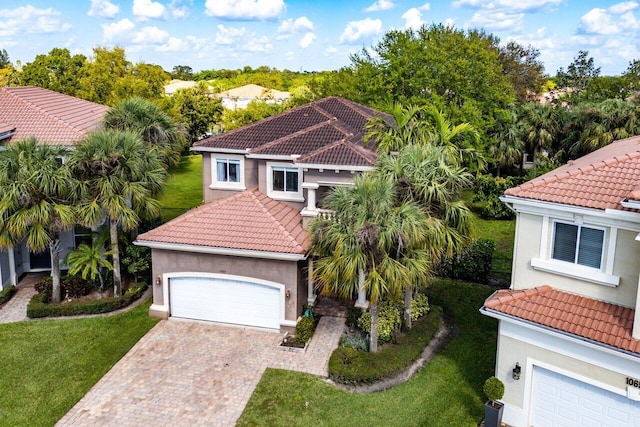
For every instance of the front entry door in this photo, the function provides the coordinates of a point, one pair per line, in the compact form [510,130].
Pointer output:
[40,260]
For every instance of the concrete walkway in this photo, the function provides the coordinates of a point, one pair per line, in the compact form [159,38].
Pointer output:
[185,373]
[16,309]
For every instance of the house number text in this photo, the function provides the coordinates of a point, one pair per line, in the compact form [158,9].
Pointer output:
[633,382]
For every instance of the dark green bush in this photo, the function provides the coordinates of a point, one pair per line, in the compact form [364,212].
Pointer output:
[39,306]
[474,264]
[493,388]
[6,293]
[488,189]
[353,314]
[350,366]
[70,286]
[305,328]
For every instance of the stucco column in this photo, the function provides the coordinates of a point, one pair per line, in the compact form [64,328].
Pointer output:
[636,318]
[12,267]
[311,292]
[362,292]
[311,188]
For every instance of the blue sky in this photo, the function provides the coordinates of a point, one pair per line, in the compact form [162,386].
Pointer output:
[309,35]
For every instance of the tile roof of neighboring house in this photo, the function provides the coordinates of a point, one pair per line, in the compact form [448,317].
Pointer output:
[52,117]
[175,85]
[248,220]
[599,180]
[253,91]
[327,132]
[588,318]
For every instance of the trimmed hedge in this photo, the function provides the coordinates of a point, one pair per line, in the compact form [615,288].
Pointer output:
[7,293]
[37,307]
[473,265]
[305,328]
[350,366]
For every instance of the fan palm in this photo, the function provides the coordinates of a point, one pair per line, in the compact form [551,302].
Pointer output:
[119,177]
[35,201]
[89,259]
[155,127]
[373,235]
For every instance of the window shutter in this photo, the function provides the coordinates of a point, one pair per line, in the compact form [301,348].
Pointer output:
[590,248]
[564,242]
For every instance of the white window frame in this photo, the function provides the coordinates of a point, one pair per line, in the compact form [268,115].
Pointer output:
[226,185]
[284,195]
[577,243]
[603,275]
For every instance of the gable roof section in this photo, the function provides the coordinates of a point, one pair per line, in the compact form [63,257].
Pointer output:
[51,117]
[605,323]
[325,132]
[253,91]
[245,221]
[599,180]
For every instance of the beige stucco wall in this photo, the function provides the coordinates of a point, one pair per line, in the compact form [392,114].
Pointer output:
[250,178]
[527,246]
[284,272]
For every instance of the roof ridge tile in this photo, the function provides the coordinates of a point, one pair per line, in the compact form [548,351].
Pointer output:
[255,194]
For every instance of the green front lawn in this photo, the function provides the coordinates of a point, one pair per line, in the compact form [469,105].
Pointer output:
[47,366]
[502,232]
[183,190]
[447,392]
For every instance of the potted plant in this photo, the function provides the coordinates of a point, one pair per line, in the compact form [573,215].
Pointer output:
[494,390]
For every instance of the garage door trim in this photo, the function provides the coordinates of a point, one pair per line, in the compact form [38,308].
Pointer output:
[281,289]
[528,394]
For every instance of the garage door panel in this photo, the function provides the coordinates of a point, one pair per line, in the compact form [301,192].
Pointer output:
[225,300]
[559,401]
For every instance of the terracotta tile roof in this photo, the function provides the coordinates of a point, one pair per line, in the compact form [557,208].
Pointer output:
[53,118]
[248,220]
[599,180]
[327,132]
[606,323]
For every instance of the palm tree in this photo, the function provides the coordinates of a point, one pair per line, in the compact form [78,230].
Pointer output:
[424,175]
[35,201]
[155,127]
[373,235]
[409,129]
[507,148]
[539,126]
[90,259]
[119,177]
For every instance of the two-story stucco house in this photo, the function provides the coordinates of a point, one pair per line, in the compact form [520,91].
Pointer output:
[53,119]
[569,326]
[241,257]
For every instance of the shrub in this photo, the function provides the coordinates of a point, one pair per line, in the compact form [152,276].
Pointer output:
[389,319]
[488,189]
[493,388]
[350,366]
[353,314]
[70,286]
[6,293]
[474,264]
[419,306]
[39,307]
[305,328]
[355,342]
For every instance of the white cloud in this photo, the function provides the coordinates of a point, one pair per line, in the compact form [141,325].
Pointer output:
[496,20]
[361,30]
[412,18]
[151,35]
[614,20]
[174,44]
[380,5]
[145,9]
[244,9]
[257,44]
[30,20]
[331,50]
[300,25]
[449,23]
[510,5]
[180,9]
[623,7]
[103,9]
[307,39]
[229,35]
[117,31]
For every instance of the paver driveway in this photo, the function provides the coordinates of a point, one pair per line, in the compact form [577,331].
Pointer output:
[186,373]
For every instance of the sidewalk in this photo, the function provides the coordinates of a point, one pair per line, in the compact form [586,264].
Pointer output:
[16,309]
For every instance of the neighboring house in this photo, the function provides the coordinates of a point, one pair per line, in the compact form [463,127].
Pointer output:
[569,327]
[53,119]
[240,97]
[175,85]
[242,258]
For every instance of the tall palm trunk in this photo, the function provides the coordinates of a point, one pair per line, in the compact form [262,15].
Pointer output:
[373,337]
[54,249]
[408,297]
[113,235]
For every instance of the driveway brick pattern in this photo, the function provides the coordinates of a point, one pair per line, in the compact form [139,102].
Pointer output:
[185,373]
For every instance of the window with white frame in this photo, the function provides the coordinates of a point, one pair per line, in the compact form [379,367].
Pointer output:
[227,171]
[578,244]
[284,182]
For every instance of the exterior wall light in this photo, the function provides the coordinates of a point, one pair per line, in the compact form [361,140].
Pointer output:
[158,280]
[288,293]
[516,372]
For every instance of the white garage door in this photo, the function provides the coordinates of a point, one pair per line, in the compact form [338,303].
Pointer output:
[225,300]
[560,401]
